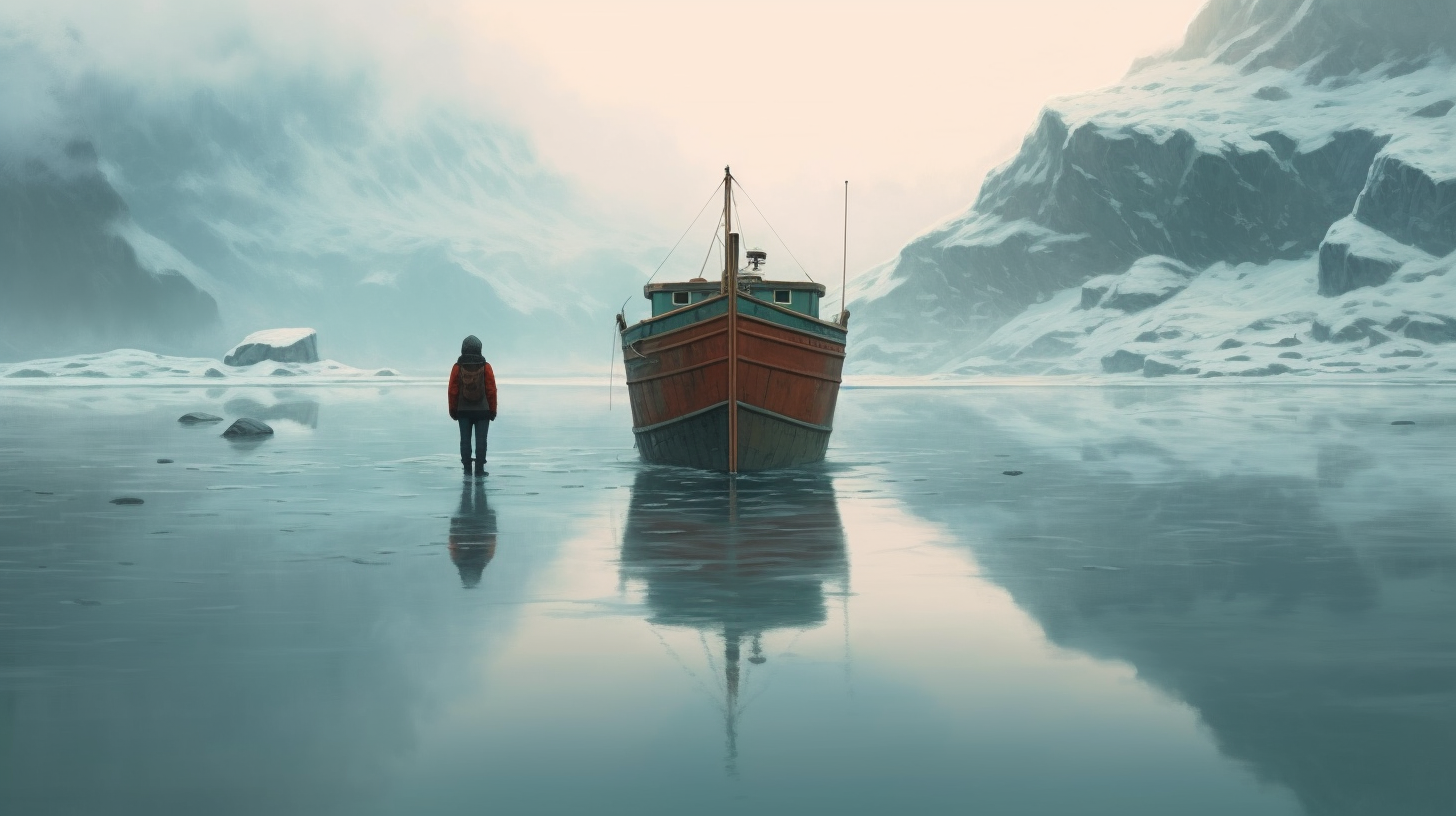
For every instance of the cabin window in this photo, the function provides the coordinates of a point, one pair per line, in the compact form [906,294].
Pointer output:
[783,296]
[680,298]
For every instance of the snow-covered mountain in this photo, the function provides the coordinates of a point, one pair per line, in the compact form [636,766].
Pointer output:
[176,213]
[1277,195]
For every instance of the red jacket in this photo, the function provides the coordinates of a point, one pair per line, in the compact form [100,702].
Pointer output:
[455,390]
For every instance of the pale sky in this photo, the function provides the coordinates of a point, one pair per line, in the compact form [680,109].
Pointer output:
[644,101]
[640,103]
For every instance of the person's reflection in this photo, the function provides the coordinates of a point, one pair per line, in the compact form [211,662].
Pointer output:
[472,533]
[738,558]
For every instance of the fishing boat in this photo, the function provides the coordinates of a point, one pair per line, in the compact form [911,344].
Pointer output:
[739,374]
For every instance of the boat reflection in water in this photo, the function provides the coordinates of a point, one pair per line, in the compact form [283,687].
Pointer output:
[472,533]
[735,557]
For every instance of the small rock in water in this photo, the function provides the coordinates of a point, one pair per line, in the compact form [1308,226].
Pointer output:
[247,427]
[127,500]
[196,417]
[1402,422]
[385,372]
[1101,567]
[164,461]
[212,372]
[1010,473]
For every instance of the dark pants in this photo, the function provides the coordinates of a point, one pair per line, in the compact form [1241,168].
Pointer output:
[482,428]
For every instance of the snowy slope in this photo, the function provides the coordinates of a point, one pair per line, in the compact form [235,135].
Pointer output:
[134,365]
[1266,179]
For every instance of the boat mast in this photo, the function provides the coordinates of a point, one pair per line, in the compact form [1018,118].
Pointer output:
[730,282]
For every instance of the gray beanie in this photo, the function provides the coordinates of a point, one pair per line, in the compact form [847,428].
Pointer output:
[471,345]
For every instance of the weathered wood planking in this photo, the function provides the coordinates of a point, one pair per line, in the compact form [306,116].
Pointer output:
[788,384]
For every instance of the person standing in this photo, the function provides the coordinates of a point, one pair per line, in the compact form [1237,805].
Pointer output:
[472,401]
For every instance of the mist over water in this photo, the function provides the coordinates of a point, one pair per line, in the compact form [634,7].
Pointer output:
[273,185]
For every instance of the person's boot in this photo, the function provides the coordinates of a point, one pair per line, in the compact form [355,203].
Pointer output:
[465,465]
[479,467]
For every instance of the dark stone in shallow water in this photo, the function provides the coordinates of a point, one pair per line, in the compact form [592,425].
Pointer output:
[1402,422]
[1011,473]
[127,500]
[164,461]
[247,427]
[196,417]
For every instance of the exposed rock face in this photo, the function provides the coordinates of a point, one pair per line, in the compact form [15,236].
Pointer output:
[1122,362]
[1149,282]
[1251,147]
[71,282]
[1407,203]
[278,345]
[1355,255]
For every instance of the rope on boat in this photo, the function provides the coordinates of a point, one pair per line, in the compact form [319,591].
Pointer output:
[711,244]
[686,231]
[774,231]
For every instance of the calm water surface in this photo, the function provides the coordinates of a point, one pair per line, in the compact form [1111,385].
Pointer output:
[1217,601]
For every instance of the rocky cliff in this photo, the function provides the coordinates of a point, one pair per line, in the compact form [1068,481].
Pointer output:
[1287,177]
[68,281]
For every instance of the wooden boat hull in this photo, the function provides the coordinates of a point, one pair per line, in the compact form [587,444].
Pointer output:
[789,369]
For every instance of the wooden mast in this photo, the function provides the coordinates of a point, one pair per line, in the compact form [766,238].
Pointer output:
[730,280]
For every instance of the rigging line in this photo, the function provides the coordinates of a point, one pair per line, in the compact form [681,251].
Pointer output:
[686,231]
[711,244]
[678,660]
[612,365]
[774,231]
[708,653]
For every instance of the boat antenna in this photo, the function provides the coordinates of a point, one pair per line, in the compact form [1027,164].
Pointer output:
[844,263]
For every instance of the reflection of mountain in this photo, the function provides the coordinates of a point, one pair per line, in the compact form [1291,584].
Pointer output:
[738,556]
[472,533]
[1316,648]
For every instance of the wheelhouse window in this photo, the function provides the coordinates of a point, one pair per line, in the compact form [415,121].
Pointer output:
[680,298]
[783,296]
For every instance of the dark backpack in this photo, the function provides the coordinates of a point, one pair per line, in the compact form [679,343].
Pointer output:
[472,384]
